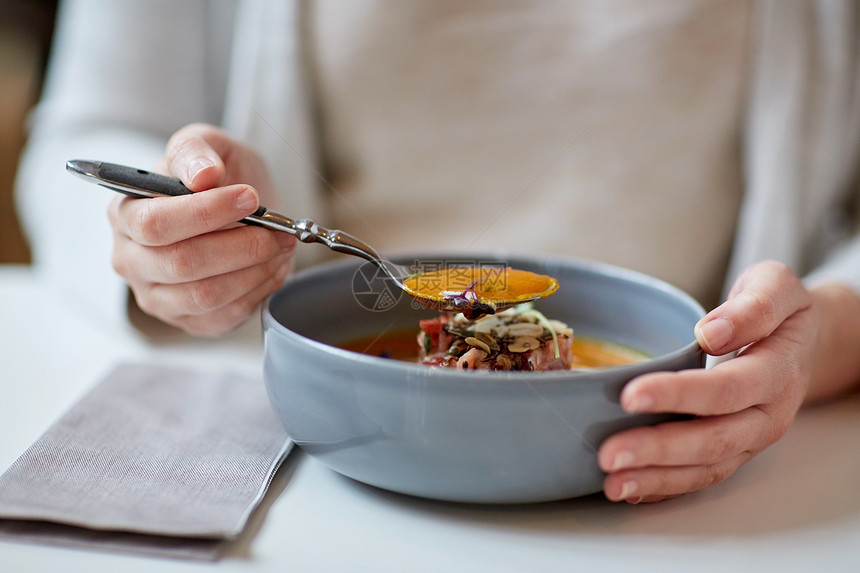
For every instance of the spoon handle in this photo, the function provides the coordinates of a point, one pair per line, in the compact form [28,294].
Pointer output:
[309,231]
[140,183]
[130,181]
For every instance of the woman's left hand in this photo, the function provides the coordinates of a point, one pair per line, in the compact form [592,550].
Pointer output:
[741,406]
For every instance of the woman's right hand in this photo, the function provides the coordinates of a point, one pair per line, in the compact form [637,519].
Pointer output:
[184,258]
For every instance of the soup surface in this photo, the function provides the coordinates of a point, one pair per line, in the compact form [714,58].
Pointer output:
[588,352]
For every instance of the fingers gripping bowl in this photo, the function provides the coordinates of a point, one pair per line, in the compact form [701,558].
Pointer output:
[482,437]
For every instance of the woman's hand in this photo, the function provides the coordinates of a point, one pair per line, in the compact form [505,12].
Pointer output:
[794,345]
[184,259]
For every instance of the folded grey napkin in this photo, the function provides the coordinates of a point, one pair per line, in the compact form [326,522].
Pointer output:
[154,460]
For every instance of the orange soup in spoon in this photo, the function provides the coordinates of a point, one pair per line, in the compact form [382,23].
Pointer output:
[476,291]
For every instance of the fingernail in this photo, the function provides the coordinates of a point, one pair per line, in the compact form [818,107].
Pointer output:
[628,488]
[197,165]
[639,403]
[622,459]
[247,200]
[716,333]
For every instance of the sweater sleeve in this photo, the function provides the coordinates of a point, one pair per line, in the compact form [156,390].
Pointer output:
[802,142]
[843,267]
[122,77]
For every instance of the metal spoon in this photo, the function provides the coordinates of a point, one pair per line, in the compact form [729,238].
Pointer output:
[140,183]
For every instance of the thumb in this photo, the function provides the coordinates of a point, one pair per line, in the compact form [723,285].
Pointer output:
[194,155]
[761,299]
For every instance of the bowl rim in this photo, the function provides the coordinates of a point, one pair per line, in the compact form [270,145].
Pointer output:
[270,322]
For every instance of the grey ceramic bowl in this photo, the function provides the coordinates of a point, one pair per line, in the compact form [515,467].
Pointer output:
[484,437]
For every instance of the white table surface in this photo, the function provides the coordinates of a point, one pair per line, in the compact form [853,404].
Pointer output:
[796,507]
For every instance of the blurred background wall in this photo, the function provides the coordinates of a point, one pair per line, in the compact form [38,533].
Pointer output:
[25,35]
